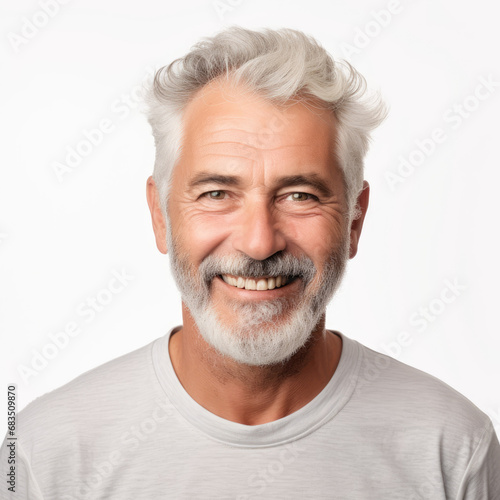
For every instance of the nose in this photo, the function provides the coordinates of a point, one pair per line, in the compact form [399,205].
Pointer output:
[258,234]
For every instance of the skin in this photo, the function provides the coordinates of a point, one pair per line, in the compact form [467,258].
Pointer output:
[232,132]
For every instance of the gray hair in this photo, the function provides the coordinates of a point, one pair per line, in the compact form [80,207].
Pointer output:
[280,65]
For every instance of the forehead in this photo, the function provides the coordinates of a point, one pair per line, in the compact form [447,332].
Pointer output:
[225,117]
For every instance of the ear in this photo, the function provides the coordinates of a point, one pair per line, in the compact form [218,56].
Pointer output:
[159,226]
[357,223]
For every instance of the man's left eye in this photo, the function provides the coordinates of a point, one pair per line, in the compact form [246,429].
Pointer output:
[301,196]
[215,195]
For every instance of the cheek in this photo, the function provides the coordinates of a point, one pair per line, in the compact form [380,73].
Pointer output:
[317,237]
[200,235]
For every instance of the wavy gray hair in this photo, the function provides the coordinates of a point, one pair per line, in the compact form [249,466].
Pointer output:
[281,66]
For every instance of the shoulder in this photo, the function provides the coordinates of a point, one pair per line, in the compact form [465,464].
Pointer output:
[113,388]
[405,415]
[417,399]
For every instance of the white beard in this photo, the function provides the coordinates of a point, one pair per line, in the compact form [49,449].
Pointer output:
[264,332]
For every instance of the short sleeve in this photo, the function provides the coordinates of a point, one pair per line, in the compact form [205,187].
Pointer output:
[20,480]
[481,480]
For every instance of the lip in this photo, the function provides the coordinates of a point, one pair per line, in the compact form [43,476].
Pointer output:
[244,294]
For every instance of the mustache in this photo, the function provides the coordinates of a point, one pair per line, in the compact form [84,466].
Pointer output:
[278,264]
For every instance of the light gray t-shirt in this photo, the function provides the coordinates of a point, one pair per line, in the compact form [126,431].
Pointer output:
[379,430]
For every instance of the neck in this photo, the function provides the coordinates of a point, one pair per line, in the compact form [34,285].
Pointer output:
[252,395]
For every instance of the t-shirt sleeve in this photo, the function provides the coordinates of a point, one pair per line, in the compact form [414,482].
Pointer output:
[481,480]
[22,484]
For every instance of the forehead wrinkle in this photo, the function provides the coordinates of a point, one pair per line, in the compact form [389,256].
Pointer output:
[257,135]
[249,147]
[215,125]
[228,149]
[233,159]
[256,130]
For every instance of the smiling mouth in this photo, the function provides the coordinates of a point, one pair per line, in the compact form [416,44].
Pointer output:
[269,283]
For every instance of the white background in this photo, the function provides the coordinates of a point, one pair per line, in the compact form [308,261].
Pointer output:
[60,240]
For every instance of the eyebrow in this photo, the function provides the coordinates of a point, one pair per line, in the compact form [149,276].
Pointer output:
[313,180]
[212,178]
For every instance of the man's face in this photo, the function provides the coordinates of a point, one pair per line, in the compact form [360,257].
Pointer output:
[257,193]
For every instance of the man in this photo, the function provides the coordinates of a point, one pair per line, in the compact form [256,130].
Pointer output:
[259,200]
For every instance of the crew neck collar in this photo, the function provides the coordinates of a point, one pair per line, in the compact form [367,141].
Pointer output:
[298,424]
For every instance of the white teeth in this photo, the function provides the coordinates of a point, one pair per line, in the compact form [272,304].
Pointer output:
[262,284]
[252,284]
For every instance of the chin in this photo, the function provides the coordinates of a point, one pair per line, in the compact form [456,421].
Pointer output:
[258,341]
